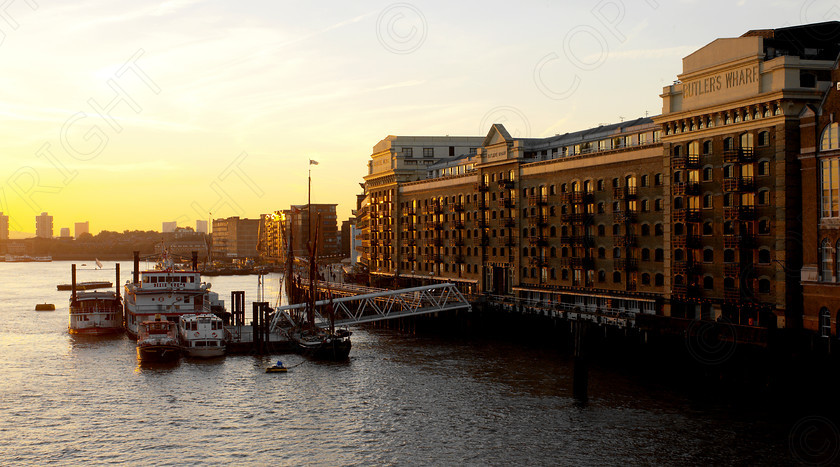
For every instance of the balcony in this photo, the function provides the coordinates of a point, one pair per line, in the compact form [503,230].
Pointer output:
[507,202]
[506,184]
[459,224]
[460,242]
[437,241]
[578,263]
[577,217]
[537,261]
[481,187]
[624,240]
[538,240]
[437,258]
[624,192]
[743,155]
[411,242]
[484,240]
[743,213]
[409,211]
[480,223]
[686,188]
[624,216]
[459,259]
[509,222]
[685,162]
[408,227]
[732,269]
[732,294]
[482,204]
[538,200]
[687,215]
[437,225]
[687,241]
[538,221]
[510,241]
[739,184]
[626,264]
[410,257]
[686,267]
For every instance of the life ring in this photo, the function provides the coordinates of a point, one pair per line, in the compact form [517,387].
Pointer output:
[214,334]
[196,334]
[160,299]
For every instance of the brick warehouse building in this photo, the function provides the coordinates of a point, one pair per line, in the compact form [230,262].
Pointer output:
[694,213]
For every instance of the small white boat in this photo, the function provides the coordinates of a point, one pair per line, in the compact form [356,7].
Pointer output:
[201,335]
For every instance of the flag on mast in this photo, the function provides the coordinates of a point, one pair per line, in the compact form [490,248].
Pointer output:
[313,162]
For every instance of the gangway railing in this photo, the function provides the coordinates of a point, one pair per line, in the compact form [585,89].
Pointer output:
[382,305]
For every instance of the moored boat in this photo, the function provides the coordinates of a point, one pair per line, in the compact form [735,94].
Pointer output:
[95,312]
[324,345]
[157,341]
[167,292]
[86,285]
[201,335]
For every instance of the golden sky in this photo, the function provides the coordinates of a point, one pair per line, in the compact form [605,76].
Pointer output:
[128,114]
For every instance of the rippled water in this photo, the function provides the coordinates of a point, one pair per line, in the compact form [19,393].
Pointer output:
[399,400]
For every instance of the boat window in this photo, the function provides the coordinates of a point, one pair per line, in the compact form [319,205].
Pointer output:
[154,279]
[145,279]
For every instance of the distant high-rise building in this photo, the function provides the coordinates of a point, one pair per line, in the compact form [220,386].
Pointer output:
[201,226]
[82,228]
[65,232]
[235,238]
[4,226]
[44,226]
[169,226]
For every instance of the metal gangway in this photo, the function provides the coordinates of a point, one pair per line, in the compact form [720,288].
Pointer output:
[380,305]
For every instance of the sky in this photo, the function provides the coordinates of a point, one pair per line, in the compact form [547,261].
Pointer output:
[130,114]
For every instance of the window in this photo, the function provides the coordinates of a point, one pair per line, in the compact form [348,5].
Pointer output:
[708,255]
[657,204]
[602,252]
[830,181]
[764,256]
[825,322]
[644,180]
[707,147]
[407,152]
[764,285]
[729,256]
[616,277]
[645,230]
[708,282]
[707,174]
[428,152]
[707,201]
[764,168]
[645,254]
[826,262]
[659,255]
[728,143]
[645,279]
[659,279]
[657,179]
[763,197]
[658,230]
[764,138]
[830,137]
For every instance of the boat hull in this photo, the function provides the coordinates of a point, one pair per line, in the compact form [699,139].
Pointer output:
[96,331]
[158,353]
[204,353]
[336,349]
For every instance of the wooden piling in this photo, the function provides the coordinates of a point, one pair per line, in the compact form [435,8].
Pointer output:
[580,378]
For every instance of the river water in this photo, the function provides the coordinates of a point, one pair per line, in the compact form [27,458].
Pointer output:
[400,399]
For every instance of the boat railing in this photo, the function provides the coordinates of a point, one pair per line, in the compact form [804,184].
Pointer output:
[163,308]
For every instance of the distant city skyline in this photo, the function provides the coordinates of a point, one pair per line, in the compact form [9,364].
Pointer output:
[194,110]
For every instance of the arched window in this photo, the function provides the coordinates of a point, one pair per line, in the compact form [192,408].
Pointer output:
[764,256]
[708,255]
[729,256]
[707,228]
[616,277]
[708,282]
[645,279]
[830,138]
[659,255]
[825,322]
[728,283]
[659,279]
[602,252]
[645,254]
[747,141]
[764,138]
[602,276]
[825,261]
[525,251]
[764,285]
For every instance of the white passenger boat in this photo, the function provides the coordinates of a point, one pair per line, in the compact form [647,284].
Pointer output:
[167,292]
[95,312]
[201,335]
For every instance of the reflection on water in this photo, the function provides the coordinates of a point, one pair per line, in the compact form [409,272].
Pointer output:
[399,399]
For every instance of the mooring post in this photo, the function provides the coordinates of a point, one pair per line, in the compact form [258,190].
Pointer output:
[580,378]
[255,326]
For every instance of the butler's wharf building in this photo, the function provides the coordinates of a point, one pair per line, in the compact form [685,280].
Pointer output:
[694,213]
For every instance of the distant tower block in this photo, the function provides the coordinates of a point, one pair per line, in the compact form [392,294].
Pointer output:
[169,226]
[44,226]
[201,226]
[82,228]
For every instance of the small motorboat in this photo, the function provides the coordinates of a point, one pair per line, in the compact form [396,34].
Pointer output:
[44,307]
[277,368]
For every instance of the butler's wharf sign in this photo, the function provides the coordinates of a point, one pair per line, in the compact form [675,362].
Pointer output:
[723,86]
